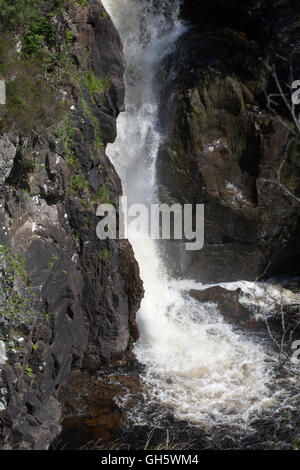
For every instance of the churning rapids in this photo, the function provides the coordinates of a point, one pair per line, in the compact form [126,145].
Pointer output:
[197,365]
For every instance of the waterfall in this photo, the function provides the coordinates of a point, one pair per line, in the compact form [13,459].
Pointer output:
[3,357]
[195,363]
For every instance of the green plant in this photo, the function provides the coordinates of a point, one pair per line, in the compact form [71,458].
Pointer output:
[29,157]
[104,254]
[296,445]
[32,74]
[95,84]
[64,132]
[69,36]
[96,125]
[15,13]
[39,33]
[28,371]
[89,113]
[21,302]
[103,195]
[32,106]
[104,14]
[78,184]
[52,261]
[81,3]
[286,414]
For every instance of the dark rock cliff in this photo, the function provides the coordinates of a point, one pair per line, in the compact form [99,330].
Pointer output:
[225,148]
[82,293]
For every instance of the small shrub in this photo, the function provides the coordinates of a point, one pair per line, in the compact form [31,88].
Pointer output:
[28,372]
[103,195]
[40,33]
[98,140]
[69,37]
[95,84]
[104,14]
[64,132]
[80,3]
[52,261]
[15,13]
[20,304]
[78,184]
[104,254]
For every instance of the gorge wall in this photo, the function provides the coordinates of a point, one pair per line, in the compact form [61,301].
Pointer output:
[226,148]
[84,293]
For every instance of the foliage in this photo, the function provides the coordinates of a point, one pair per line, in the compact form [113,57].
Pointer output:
[69,36]
[39,33]
[7,54]
[80,3]
[28,371]
[96,125]
[15,264]
[53,259]
[95,84]
[15,13]
[33,101]
[65,134]
[104,14]
[20,301]
[78,184]
[36,71]
[103,195]
[104,254]
[32,106]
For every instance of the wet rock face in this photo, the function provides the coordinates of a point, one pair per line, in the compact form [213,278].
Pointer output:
[254,17]
[258,310]
[84,292]
[7,155]
[90,411]
[98,36]
[230,306]
[226,148]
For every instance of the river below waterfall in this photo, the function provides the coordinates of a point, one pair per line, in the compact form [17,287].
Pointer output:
[196,371]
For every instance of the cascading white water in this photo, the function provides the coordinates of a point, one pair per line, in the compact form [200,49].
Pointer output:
[3,357]
[195,363]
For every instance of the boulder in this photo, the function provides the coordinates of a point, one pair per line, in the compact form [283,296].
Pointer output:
[230,307]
